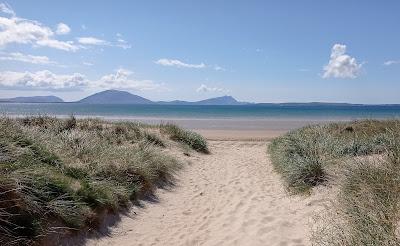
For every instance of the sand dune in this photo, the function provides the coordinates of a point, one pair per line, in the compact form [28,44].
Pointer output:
[231,197]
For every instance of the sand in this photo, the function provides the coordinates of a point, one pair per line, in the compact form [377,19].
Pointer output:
[241,135]
[230,197]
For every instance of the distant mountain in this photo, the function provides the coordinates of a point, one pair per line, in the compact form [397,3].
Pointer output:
[114,97]
[124,97]
[225,100]
[35,99]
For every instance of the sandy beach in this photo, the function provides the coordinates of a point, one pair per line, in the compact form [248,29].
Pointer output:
[230,197]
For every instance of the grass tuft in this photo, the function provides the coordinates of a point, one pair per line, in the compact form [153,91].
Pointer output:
[364,157]
[69,171]
[192,139]
[303,156]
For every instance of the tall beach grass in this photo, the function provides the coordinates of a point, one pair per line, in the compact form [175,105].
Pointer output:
[60,175]
[364,158]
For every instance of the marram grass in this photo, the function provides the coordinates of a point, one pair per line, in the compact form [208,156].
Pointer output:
[365,156]
[67,172]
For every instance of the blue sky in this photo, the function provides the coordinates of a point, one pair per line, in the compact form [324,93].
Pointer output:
[260,51]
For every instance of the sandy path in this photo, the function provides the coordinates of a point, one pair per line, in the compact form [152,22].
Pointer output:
[231,197]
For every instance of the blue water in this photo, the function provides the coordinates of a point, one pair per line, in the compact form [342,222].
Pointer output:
[204,112]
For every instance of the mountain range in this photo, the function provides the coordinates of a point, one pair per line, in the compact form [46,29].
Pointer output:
[35,99]
[122,97]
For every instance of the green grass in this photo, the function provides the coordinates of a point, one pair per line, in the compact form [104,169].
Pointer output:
[67,172]
[364,158]
[303,156]
[192,139]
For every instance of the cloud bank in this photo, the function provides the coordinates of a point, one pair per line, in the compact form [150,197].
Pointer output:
[46,80]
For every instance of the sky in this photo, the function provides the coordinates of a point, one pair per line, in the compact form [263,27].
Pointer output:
[256,51]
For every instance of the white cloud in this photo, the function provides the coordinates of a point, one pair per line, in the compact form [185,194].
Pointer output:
[62,29]
[205,88]
[122,79]
[341,65]
[23,31]
[391,62]
[46,80]
[61,45]
[92,41]
[121,43]
[16,56]
[179,64]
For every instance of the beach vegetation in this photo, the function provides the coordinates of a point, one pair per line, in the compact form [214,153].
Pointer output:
[59,175]
[362,160]
[190,138]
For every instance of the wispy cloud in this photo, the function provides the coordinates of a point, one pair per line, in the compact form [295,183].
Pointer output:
[391,62]
[205,88]
[92,41]
[219,68]
[22,31]
[87,63]
[63,29]
[341,65]
[5,8]
[17,56]
[178,63]
[122,43]
[46,80]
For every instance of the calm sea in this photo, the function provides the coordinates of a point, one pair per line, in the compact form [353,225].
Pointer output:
[203,112]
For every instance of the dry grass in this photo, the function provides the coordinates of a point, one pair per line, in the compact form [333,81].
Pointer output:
[69,171]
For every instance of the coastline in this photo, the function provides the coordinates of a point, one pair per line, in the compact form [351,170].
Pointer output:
[242,129]
[237,128]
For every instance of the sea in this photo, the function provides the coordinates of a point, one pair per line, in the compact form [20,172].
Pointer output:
[208,116]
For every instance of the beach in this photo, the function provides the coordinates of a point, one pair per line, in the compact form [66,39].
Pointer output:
[230,197]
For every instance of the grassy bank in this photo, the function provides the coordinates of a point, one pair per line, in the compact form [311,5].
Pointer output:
[363,159]
[60,175]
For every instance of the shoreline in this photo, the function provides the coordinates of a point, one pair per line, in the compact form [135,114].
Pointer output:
[240,129]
